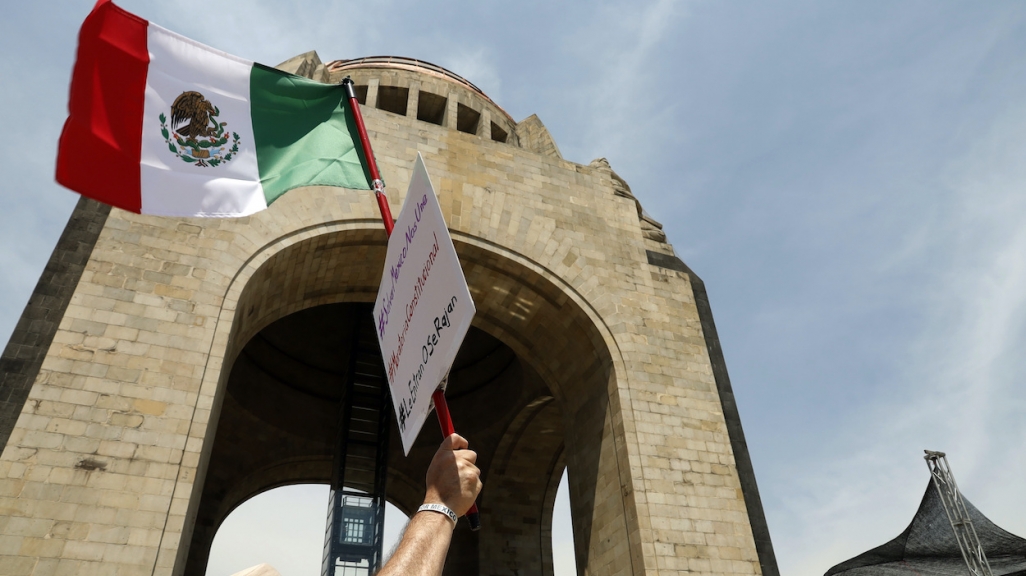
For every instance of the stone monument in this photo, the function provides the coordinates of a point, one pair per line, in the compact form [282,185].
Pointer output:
[165,370]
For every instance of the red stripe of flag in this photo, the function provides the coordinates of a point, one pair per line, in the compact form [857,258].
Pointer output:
[100,147]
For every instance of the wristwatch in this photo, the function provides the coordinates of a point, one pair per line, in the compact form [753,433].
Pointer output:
[441,509]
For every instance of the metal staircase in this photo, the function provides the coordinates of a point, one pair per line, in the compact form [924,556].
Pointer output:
[356,505]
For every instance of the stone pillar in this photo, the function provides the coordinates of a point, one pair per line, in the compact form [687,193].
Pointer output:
[413,100]
[484,124]
[450,111]
[372,93]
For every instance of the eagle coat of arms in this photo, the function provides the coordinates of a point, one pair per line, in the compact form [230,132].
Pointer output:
[196,136]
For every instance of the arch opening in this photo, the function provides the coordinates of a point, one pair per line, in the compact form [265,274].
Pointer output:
[531,389]
[279,415]
[281,527]
[564,562]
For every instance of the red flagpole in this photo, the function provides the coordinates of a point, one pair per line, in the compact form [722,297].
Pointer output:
[438,396]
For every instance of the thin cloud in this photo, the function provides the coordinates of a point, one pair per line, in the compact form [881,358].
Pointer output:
[959,389]
[622,118]
[477,65]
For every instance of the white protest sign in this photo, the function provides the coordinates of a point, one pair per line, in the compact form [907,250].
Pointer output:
[423,308]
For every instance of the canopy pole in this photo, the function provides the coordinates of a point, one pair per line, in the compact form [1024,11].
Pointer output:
[438,396]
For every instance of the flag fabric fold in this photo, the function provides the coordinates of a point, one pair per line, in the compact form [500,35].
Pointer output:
[160,124]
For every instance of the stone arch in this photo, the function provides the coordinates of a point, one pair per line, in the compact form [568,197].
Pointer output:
[527,497]
[567,366]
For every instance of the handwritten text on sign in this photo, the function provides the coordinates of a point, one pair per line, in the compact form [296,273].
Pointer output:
[423,308]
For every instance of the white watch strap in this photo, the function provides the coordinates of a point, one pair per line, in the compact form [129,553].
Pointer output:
[440,508]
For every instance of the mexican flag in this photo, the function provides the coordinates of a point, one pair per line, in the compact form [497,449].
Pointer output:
[160,124]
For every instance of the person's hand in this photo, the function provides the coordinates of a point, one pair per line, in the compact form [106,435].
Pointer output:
[452,477]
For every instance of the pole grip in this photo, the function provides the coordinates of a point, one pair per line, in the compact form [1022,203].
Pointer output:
[445,422]
[474,517]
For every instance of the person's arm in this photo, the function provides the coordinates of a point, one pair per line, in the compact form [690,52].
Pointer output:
[453,481]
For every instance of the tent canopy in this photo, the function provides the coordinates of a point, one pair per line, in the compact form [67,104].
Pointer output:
[928,547]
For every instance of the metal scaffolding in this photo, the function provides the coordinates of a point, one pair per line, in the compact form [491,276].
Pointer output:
[958,516]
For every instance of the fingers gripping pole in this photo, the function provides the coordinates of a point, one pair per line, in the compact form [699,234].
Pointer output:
[445,422]
[441,407]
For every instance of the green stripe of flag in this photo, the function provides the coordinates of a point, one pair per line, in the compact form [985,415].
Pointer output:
[305,134]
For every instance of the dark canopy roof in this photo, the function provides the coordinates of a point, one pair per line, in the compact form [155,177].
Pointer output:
[928,547]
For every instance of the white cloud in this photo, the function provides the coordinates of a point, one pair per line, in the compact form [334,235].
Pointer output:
[272,32]
[620,44]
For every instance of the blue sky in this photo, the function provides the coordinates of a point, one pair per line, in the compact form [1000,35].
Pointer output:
[847,179]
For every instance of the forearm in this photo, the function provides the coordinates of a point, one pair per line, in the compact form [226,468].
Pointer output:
[423,547]
[454,482]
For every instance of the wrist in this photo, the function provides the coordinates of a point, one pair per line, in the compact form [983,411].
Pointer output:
[433,497]
[439,509]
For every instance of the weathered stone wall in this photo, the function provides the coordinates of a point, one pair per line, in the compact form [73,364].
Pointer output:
[38,323]
[104,467]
